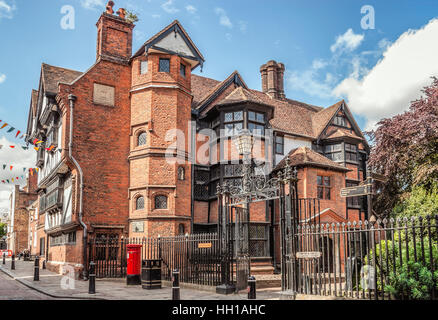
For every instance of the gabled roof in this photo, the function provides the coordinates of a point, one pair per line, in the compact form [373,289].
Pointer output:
[304,156]
[34,101]
[322,119]
[177,28]
[240,95]
[206,103]
[51,76]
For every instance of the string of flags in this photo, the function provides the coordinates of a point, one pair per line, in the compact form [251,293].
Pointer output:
[36,147]
[32,171]
[12,129]
[36,142]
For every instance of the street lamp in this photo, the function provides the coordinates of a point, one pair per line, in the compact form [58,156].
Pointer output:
[245,143]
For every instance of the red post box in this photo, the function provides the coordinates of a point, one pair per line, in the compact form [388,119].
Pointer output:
[134,264]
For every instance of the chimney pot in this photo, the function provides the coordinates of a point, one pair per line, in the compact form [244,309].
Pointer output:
[121,13]
[109,7]
[273,79]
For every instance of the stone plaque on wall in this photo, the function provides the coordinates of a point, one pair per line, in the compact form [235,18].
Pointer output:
[103,94]
[138,227]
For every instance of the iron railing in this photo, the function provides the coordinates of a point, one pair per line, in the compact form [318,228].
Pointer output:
[389,259]
[196,256]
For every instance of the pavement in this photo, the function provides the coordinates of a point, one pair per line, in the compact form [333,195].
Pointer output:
[55,286]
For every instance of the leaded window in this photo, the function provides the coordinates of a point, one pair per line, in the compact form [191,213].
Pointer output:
[233,170]
[142,139]
[351,152]
[181,174]
[340,121]
[334,152]
[160,202]
[279,145]
[324,187]
[164,65]
[233,123]
[256,122]
[353,202]
[139,203]
[182,70]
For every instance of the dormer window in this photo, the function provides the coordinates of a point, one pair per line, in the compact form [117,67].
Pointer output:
[164,65]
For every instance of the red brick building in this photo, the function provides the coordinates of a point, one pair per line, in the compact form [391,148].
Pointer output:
[18,219]
[142,143]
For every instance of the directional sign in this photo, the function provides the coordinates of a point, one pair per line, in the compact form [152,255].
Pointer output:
[309,255]
[357,191]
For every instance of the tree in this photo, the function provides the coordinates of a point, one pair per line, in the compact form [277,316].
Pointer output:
[3,229]
[405,149]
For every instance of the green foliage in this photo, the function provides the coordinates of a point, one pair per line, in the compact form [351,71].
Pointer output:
[131,17]
[406,266]
[421,201]
[3,229]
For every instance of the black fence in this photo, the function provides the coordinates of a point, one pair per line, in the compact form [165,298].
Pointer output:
[197,257]
[389,259]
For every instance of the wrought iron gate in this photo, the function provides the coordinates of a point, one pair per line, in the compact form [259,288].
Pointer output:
[241,247]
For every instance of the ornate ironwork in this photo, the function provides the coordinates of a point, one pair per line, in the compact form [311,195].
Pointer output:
[259,187]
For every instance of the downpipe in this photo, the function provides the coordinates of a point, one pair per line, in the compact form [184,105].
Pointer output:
[72,98]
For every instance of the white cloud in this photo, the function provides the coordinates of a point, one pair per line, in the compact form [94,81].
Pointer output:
[2,77]
[223,18]
[243,26]
[7,8]
[397,79]
[191,9]
[18,158]
[348,41]
[92,4]
[307,81]
[156,16]
[169,7]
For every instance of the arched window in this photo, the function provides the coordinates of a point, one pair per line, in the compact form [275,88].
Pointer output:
[141,140]
[181,229]
[139,204]
[181,174]
[160,202]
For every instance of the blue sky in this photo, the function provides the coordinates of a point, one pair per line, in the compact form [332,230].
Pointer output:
[232,35]
[327,53]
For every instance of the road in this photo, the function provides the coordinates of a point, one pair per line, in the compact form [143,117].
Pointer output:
[13,290]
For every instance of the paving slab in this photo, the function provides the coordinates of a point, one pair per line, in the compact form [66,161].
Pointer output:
[62,287]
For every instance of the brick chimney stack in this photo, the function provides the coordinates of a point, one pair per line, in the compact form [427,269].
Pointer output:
[114,36]
[273,79]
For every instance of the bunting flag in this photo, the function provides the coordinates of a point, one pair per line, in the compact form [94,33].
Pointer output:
[12,167]
[31,171]
[18,132]
[11,129]
[37,148]
[50,149]
[8,181]
[4,167]
[12,147]
[4,126]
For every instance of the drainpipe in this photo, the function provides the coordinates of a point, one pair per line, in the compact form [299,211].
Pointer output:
[72,100]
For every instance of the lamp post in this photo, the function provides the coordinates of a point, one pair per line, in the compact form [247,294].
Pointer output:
[245,143]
